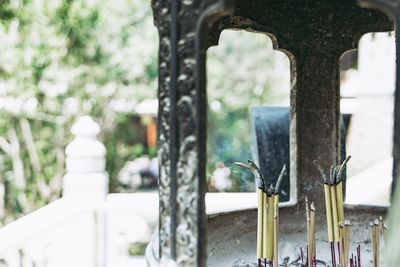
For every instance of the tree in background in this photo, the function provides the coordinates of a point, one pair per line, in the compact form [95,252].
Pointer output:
[60,59]
[243,71]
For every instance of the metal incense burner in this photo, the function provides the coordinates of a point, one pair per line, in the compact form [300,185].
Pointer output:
[313,34]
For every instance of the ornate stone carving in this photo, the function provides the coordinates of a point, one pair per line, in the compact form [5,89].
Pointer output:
[162,14]
[182,157]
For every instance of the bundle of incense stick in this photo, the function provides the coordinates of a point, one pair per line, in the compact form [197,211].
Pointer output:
[267,216]
[261,214]
[311,251]
[333,189]
[270,226]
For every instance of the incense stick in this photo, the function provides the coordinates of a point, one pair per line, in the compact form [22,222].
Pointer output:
[373,244]
[334,213]
[267,215]
[265,230]
[328,212]
[346,242]
[339,199]
[312,244]
[270,226]
[333,254]
[261,210]
[309,250]
[377,242]
[333,188]
[328,206]
[276,230]
[342,254]
[276,215]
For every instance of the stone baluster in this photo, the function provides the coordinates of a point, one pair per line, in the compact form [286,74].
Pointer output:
[85,178]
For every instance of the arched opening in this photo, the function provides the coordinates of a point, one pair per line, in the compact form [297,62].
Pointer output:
[367,104]
[243,72]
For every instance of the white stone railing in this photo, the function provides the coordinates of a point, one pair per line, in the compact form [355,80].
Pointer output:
[87,226]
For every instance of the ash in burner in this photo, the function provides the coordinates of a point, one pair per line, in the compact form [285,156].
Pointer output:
[242,263]
[286,263]
[299,262]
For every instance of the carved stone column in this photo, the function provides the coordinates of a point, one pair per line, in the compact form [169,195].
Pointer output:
[182,126]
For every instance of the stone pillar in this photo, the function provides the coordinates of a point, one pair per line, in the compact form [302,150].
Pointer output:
[86,178]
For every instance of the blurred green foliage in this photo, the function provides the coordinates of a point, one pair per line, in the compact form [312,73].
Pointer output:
[60,59]
[243,71]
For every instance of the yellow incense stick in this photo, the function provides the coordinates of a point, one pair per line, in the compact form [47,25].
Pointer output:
[328,212]
[377,243]
[339,200]
[260,223]
[312,226]
[342,256]
[373,244]
[276,230]
[276,202]
[346,243]
[334,214]
[340,208]
[270,228]
[265,222]
[309,252]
